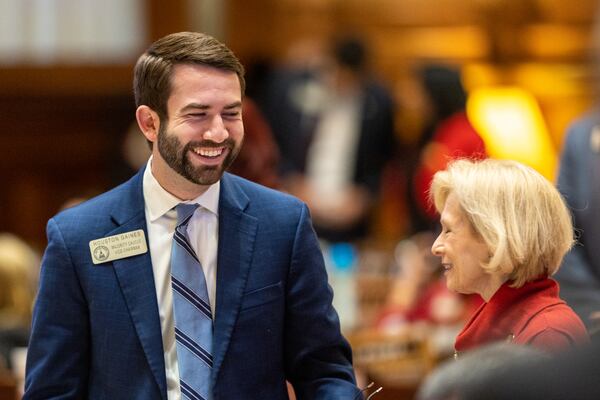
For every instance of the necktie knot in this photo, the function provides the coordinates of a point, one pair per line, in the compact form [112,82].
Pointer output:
[184,213]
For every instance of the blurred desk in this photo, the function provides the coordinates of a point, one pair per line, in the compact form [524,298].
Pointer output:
[396,361]
[8,386]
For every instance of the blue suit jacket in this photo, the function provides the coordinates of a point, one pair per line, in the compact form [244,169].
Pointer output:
[579,183]
[96,330]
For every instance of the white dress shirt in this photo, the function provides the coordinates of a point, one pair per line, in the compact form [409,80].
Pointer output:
[203,232]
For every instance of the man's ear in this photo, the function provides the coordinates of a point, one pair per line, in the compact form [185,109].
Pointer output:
[148,121]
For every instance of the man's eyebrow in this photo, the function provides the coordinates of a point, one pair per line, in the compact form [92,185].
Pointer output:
[198,106]
[237,104]
[195,106]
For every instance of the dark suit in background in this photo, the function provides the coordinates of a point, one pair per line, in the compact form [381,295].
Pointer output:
[298,100]
[579,183]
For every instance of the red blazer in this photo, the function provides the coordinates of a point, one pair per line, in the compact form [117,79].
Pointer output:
[532,314]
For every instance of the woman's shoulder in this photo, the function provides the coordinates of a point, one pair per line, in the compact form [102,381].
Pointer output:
[554,328]
[556,340]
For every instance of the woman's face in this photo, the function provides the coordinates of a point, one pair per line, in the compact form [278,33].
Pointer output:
[462,251]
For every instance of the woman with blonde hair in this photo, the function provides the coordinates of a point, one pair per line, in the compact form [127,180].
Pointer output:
[505,230]
[19,266]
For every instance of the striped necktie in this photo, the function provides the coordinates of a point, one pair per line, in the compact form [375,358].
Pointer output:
[193,316]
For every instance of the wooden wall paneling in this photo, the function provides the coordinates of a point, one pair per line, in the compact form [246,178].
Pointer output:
[552,41]
[166,17]
[252,28]
[59,147]
[25,80]
[276,28]
[410,13]
[501,30]
[562,11]
[464,43]
[299,25]
[61,126]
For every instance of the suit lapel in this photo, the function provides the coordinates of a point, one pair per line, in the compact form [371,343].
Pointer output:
[237,232]
[136,278]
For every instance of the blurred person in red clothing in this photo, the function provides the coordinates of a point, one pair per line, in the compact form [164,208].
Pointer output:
[448,135]
[505,230]
[259,158]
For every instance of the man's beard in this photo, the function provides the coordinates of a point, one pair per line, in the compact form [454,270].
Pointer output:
[176,156]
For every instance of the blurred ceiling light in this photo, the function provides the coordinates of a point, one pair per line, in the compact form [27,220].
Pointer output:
[512,126]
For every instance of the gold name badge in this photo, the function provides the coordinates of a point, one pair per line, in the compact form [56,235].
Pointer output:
[119,246]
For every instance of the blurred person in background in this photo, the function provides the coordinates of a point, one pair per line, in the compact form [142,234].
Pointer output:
[505,230]
[259,158]
[335,127]
[448,134]
[19,268]
[579,183]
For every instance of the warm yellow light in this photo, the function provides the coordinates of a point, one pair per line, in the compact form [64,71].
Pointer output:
[511,124]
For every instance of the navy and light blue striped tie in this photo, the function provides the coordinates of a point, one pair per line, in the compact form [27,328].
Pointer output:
[193,316]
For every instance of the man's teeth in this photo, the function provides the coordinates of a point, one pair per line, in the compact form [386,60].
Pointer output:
[209,152]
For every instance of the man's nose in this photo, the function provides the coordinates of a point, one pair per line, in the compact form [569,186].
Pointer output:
[217,132]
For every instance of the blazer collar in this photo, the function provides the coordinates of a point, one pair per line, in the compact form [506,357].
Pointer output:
[130,200]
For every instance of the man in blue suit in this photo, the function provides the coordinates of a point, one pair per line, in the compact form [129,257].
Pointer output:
[104,322]
[579,183]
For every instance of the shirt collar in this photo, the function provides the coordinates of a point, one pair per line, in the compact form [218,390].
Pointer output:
[159,201]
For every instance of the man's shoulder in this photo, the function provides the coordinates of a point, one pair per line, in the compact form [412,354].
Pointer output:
[556,322]
[255,191]
[261,199]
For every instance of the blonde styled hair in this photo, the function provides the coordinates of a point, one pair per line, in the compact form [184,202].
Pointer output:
[19,266]
[516,211]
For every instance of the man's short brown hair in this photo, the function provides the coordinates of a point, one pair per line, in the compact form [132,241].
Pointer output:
[152,72]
